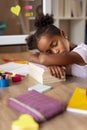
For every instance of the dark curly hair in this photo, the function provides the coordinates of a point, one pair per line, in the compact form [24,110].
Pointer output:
[44,25]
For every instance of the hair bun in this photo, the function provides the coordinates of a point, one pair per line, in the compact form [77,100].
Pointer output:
[44,20]
[31,41]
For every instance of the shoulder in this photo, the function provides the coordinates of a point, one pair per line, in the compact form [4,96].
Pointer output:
[81,50]
[72,46]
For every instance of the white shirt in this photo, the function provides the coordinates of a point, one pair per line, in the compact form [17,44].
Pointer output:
[78,70]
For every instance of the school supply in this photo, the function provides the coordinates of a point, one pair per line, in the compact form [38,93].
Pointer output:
[40,88]
[42,74]
[4,80]
[12,67]
[16,78]
[25,122]
[78,101]
[16,61]
[4,83]
[38,105]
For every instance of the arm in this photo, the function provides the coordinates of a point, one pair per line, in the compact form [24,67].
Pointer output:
[55,70]
[57,59]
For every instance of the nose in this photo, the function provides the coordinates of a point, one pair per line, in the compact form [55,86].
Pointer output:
[55,50]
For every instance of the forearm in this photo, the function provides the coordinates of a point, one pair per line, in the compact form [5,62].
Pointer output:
[53,59]
[39,58]
[34,58]
[42,58]
[48,59]
[56,59]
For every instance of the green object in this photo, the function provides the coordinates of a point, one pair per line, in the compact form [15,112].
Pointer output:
[3,26]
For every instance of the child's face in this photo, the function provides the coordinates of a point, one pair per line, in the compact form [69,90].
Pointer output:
[53,44]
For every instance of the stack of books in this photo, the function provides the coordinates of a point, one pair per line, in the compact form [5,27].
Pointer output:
[42,74]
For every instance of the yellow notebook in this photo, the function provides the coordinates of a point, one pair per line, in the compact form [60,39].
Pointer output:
[78,101]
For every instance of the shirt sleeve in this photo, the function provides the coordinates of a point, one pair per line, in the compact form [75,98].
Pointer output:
[82,51]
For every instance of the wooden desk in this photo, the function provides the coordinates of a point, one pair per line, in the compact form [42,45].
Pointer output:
[61,91]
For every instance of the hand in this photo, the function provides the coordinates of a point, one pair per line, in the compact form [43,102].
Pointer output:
[34,57]
[37,57]
[58,71]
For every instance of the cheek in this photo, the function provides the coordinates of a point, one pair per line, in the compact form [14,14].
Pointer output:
[67,46]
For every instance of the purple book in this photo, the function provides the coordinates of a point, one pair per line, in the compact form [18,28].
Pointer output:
[38,105]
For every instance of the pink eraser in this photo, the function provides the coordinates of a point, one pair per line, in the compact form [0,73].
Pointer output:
[16,78]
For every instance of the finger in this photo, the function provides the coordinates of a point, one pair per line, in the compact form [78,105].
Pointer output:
[54,71]
[64,70]
[60,72]
[57,71]
[63,67]
[51,70]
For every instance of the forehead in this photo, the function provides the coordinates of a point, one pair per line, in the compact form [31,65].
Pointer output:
[44,42]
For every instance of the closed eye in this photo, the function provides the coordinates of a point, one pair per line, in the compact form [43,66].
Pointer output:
[49,51]
[53,44]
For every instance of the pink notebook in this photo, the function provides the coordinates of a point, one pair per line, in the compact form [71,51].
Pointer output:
[38,105]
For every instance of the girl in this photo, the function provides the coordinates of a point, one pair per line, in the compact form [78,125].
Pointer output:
[56,51]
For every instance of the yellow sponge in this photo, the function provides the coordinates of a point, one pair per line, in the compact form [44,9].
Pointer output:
[25,122]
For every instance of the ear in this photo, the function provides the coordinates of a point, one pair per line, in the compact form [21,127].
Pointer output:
[63,34]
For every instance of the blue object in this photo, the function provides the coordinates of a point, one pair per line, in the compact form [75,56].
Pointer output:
[4,83]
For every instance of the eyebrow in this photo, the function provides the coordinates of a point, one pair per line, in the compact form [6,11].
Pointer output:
[51,44]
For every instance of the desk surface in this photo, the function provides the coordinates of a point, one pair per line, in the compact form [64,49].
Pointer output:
[61,91]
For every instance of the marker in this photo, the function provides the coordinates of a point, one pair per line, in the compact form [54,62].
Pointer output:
[7,76]
[0,77]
